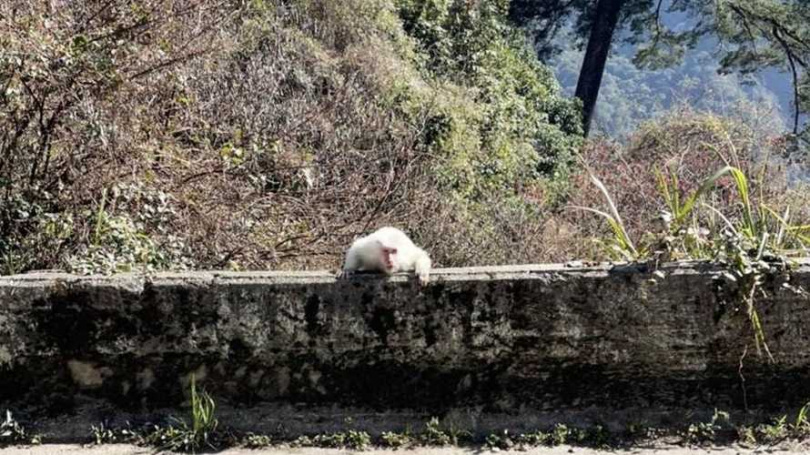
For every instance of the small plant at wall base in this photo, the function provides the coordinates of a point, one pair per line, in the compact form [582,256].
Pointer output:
[257,441]
[499,441]
[396,440]
[12,432]
[559,435]
[802,423]
[433,435]
[204,423]
[185,438]
[533,439]
[356,440]
[703,432]
[103,434]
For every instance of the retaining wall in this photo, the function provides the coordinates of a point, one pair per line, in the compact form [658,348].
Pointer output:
[496,339]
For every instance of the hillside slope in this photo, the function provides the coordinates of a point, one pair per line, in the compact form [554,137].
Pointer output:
[267,134]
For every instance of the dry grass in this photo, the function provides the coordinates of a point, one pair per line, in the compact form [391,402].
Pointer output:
[268,134]
[693,145]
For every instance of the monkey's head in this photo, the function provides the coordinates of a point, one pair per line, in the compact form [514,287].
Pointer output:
[387,257]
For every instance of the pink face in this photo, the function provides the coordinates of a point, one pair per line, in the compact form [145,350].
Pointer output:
[387,256]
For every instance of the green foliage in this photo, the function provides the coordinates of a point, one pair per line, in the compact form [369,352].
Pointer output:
[558,435]
[501,441]
[746,436]
[352,439]
[128,231]
[257,441]
[457,37]
[182,437]
[203,420]
[36,233]
[680,211]
[774,431]
[507,123]
[120,243]
[533,439]
[802,422]
[620,243]
[751,247]
[58,71]
[357,440]
[396,440]
[596,436]
[754,35]
[104,434]
[11,432]
[707,431]
[577,436]
[435,435]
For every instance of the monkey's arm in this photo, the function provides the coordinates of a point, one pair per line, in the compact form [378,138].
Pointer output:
[422,267]
[351,264]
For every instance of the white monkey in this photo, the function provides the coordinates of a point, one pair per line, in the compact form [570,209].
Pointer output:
[387,250]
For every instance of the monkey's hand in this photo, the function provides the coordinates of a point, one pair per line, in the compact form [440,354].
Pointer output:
[423,278]
[344,274]
[422,268]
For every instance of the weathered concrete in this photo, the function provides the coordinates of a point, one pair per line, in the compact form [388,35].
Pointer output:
[495,339]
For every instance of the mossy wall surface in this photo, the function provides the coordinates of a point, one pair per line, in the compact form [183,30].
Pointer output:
[495,339]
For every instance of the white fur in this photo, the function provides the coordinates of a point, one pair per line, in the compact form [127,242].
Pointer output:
[365,254]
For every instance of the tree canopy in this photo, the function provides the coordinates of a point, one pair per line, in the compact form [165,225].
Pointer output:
[751,35]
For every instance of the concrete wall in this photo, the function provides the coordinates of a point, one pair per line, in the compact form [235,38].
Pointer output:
[495,339]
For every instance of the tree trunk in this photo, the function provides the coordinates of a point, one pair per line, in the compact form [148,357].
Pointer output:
[596,54]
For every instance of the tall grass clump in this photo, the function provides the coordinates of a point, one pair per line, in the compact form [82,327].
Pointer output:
[750,246]
[200,434]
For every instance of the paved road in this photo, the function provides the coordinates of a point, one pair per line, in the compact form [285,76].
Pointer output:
[120,449]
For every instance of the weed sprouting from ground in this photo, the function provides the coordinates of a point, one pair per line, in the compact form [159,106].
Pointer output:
[396,440]
[719,429]
[184,437]
[746,436]
[532,439]
[773,432]
[703,432]
[500,441]
[12,432]
[257,441]
[559,434]
[802,422]
[434,435]
[203,420]
[103,434]
[596,436]
[356,440]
